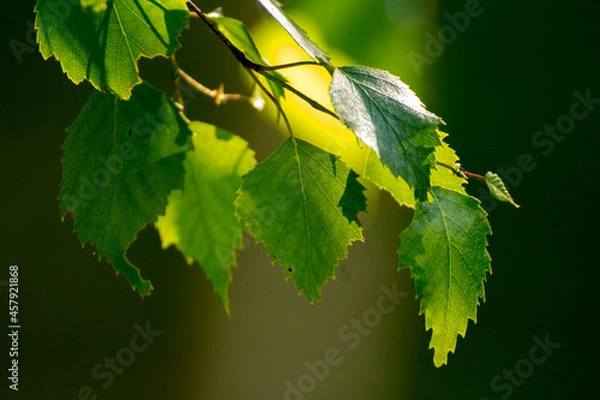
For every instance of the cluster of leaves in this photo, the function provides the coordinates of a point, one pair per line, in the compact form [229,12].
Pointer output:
[132,159]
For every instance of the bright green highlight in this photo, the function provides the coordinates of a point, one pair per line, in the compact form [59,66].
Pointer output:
[200,219]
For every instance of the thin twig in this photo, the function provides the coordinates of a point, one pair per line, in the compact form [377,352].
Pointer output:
[252,66]
[289,65]
[218,95]
[471,175]
[273,99]
[239,55]
[461,172]
[178,97]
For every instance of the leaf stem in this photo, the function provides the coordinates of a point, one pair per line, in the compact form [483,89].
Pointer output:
[313,103]
[218,95]
[177,96]
[472,175]
[288,65]
[273,99]
[239,55]
[461,172]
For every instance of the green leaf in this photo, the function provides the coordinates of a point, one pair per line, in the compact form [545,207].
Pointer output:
[442,176]
[103,46]
[200,219]
[498,189]
[383,178]
[121,160]
[295,31]
[445,248]
[239,35]
[389,118]
[302,203]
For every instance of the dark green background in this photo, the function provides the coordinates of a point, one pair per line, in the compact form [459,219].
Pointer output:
[511,72]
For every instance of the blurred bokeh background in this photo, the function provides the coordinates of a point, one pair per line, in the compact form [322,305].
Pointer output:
[511,71]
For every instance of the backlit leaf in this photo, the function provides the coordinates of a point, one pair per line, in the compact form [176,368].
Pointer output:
[441,175]
[200,219]
[445,249]
[302,202]
[121,160]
